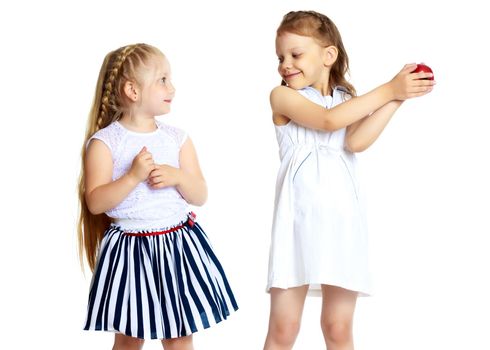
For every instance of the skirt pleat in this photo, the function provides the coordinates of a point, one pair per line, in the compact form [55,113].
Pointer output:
[158,287]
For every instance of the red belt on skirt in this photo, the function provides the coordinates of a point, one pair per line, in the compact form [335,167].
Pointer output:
[191,218]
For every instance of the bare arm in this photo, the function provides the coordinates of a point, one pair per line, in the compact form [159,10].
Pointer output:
[101,193]
[188,179]
[287,104]
[363,133]
[192,185]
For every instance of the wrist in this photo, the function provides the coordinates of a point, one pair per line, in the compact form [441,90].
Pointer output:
[388,91]
[131,179]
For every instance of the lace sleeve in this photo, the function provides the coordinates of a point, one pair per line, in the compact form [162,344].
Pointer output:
[108,136]
[178,135]
[182,138]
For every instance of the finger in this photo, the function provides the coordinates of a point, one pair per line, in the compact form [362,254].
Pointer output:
[155,177]
[143,156]
[420,91]
[150,168]
[149,159]
[143,150]
[419,94]
[159,185]
[146,157]
[410,67]
[426,82]
[422,75]
[417,89]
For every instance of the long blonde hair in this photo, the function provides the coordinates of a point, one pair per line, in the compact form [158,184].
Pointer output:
[109,105]
[321,28]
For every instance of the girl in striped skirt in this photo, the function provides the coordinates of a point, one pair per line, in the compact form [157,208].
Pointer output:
[155,275]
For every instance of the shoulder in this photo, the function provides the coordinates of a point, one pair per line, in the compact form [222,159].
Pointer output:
[285,92]
[176,134]
[279,96]
[281,91]
[108,135]
[285,96]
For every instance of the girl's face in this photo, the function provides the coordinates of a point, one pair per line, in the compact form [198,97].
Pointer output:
[302,62]
[158,91]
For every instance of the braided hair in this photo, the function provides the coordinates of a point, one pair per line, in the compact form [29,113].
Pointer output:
[321,28]
[109,107]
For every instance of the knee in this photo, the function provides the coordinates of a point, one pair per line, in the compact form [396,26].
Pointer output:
[182,343]
[123,342]
[284,332]
[337,332]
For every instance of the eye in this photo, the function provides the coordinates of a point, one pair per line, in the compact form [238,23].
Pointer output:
[280,59]
[297,55]
[163,80]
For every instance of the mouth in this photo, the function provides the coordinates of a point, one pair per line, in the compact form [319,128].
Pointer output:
[290,76]
[167,101]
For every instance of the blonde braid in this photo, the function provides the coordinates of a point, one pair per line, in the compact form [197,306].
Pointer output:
[109,110]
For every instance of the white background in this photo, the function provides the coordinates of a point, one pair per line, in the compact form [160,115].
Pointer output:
[426,178]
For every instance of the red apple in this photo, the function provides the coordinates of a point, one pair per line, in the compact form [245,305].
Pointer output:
[423,68]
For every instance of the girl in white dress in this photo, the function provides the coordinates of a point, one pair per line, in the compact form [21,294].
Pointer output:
[319,240]
[155,273]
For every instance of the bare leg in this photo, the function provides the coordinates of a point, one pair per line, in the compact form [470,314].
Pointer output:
[285,317]
[183,343]
[337,317]
[124,342]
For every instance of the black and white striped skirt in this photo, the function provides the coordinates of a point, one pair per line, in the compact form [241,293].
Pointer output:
[158,286]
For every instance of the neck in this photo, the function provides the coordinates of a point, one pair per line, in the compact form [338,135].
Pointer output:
[325,90]
[139,124]
[323,83]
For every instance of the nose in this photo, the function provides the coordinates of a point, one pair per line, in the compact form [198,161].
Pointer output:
[285,65]
[170,87]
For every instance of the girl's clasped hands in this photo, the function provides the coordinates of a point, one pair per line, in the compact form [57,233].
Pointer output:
[157,175]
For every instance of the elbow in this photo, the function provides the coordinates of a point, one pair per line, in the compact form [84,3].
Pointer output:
[94,210]
[199,197]
[199,202]
[357,149]
[203,198]
[354,147]
[92,206]
[331,125]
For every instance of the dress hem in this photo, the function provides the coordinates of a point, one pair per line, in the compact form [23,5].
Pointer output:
[315,291]
[114,330]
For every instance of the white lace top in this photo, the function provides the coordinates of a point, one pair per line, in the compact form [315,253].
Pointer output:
[165,206]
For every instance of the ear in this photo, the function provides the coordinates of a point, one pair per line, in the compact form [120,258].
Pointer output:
[330,54]
[131,90]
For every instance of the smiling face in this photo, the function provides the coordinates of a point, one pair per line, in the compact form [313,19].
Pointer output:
[157,91]
[303,61]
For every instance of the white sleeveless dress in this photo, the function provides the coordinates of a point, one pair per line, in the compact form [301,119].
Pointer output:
[319,233]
